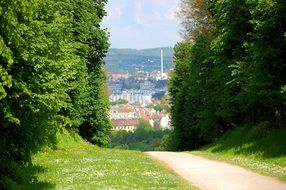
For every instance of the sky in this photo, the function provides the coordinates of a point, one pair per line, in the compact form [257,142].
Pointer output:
[142,24]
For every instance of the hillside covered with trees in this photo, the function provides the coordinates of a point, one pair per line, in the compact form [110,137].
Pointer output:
[230,70]
[132,60]
[51,78]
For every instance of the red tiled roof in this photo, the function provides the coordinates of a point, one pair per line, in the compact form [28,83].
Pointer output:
[122,108]
[157,117]
[124,122]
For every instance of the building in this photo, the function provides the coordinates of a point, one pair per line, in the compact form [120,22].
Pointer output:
[115,87]
[165,122]
[118,76]
[123,115]
[127,116]
[124,124]
[147,86]
[132,96]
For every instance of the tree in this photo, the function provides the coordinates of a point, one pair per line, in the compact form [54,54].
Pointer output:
[191,79]
[196,19]
[51,77]
[158,107]
[266,68]
[177,91]
[143,130]
[120,101]
[88,14]
[37,55]
[233,71]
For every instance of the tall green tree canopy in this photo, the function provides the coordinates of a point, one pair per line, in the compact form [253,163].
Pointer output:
[230,69]
[51,76]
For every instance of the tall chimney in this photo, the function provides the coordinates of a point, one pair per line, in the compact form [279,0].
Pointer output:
[162,63]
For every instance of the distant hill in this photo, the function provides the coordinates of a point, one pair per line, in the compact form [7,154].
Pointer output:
[121,60]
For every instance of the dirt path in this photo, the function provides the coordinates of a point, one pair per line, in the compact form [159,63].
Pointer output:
[213,175]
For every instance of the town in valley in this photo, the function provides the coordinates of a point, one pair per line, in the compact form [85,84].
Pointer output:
[140,94]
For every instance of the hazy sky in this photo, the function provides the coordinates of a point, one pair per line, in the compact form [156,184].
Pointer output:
[142,24]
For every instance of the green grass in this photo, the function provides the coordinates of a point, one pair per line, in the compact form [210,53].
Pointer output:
[259,149]
[78,165]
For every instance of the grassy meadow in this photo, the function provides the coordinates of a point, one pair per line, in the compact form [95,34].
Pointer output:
[259,149]
[78,165]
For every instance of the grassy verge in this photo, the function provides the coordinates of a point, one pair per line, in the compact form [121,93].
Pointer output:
[78,165]
[258,149]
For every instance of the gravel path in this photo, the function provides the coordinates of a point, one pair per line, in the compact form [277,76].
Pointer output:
[214,175]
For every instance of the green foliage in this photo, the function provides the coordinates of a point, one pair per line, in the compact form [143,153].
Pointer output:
[232,71]
[195,18]
[144,138]
[143,130]
[120,101]
[97,126]
[29,110]
[283,92]
[50,60]
[92,45]
[166,143]
[188,106]
[267,59]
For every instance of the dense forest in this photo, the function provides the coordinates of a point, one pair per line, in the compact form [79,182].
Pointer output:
[230,70]
[51,77]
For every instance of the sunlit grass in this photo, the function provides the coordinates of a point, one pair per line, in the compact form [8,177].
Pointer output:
[266,154]
[83,166]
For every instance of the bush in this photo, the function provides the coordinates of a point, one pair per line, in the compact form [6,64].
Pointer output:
[166,143]
[144,138]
